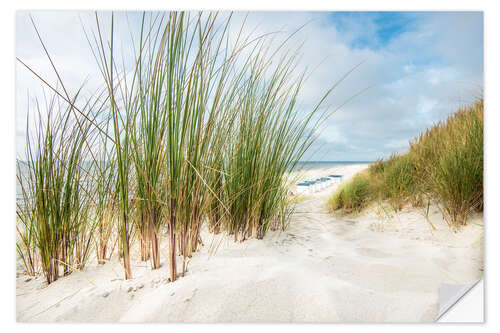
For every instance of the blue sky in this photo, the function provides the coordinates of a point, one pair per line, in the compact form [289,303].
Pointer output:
[420,67]
[388,25]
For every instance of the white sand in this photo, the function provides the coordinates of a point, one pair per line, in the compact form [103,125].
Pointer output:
[322,269]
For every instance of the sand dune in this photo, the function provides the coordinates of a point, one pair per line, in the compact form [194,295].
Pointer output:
[321,269]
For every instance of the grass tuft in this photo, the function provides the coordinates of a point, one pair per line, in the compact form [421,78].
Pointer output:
[352,196]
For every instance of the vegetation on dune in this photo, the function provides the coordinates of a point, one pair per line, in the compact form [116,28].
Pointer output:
[353,195]
[445,163]
[54,212]
[151,154]
[269,140]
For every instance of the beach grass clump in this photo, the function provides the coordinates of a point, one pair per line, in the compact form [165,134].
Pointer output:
[444,163]
[398,184]
[353,195]
[53,210]
[167,119]
[392,180]
[454,172]
[186,129]
[270,136]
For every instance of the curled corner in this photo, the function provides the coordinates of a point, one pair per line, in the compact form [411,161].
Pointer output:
[450,294]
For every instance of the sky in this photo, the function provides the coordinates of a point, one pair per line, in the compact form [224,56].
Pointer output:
[415,69]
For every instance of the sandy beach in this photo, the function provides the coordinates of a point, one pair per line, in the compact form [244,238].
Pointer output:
[374,267]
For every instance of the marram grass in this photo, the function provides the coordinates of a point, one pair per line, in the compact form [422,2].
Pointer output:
[354,195]
[55,194]
[201,129]
[444,163]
